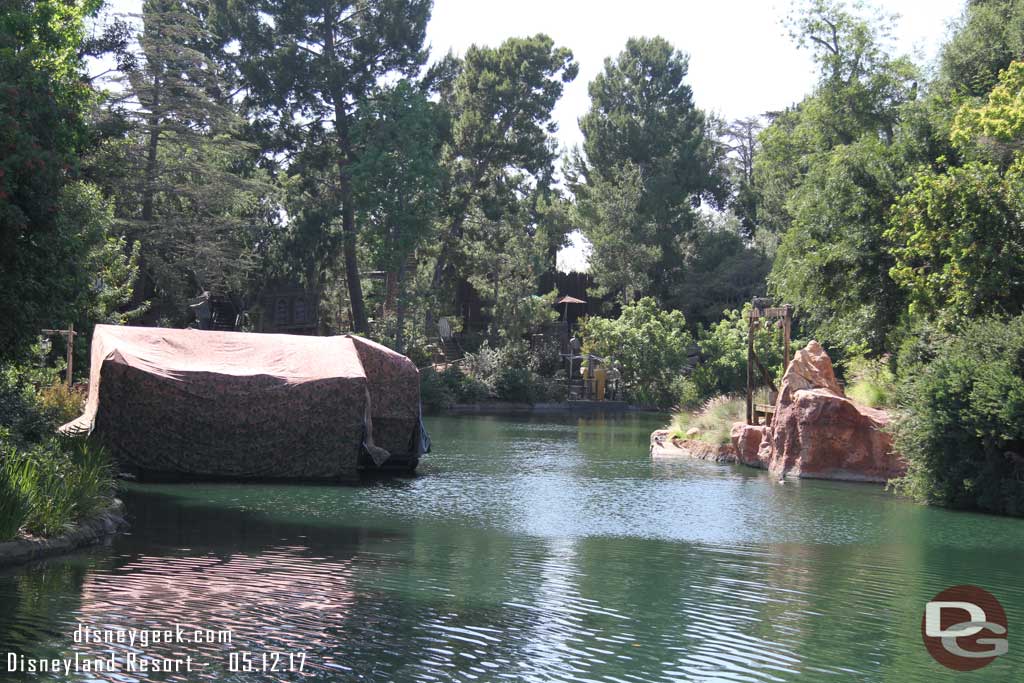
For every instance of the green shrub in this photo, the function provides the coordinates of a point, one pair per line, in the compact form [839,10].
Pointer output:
[688,394]
[440,390]
[47,483]
[650,346]
[870,381]
[464,388]
[63,481]
[516,384]
[723,351]
[435,394]
[485,365]
[20,411]
[60,403]
[963,429]
[546,357]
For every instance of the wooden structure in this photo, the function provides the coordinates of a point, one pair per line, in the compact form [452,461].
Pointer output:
[762,314]
[69,335]
[289,310]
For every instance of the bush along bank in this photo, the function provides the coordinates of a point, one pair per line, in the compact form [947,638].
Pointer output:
[49,485]
[512,373]
[962,433]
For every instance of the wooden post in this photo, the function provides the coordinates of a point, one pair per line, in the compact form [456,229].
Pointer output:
[750,368]
[70,334]
[568,384]
[71,353]
[787,324]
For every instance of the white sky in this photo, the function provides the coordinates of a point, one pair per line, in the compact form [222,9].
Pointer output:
[741,61]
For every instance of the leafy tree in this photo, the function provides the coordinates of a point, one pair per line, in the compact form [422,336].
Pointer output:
[994,129]
[741,141]
[499,101]
[723,354]
[862,86]
[109,268]
[988,36]
[180,175]
[649,344]
[957,235]
[721,271]
[833,263]
[957,242]
[508,276]
[42,129]
[306,67]
[642,123]
[396,180]
[624,249]
[841,161]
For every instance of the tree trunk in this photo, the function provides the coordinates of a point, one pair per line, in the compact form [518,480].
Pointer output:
[148,189]
[348,214]
[348,229]
[454,232]
[400,308]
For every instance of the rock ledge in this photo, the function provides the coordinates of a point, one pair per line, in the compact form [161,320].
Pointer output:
[90,532]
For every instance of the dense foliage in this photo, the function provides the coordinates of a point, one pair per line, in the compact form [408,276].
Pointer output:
[963,435]
[238,146]
[53,231]
[648,344]
[723,350]
[47,483]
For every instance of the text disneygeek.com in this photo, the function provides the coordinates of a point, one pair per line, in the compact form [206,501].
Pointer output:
[128,654]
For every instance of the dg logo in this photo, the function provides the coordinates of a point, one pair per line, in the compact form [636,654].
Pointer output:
[964,628]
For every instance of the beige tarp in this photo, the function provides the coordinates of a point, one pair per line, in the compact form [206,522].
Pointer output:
[232,404]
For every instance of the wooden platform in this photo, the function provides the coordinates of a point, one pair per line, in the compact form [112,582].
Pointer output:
[766,409]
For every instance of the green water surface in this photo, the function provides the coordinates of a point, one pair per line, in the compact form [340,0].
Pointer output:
[542,550]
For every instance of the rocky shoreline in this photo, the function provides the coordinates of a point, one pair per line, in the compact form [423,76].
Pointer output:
[816,433]
[663,445]
[90,532]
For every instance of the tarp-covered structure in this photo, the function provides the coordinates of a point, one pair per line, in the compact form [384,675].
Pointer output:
[237,405]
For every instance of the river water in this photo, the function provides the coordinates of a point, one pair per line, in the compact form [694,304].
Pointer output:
[549,550]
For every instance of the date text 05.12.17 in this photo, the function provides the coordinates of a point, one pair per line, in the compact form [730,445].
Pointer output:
[266,662]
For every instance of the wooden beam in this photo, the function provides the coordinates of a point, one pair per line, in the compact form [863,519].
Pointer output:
[787,327]
[750,372]
[69,335]
[71,354]
[774,312]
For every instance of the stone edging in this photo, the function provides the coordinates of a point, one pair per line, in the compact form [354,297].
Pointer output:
[89,532]
[664,446]
[562,408]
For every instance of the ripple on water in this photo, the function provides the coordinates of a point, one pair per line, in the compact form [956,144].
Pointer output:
[536,552]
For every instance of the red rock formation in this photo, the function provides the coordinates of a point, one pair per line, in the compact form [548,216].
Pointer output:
[664,445]
[819,433]
[746,439]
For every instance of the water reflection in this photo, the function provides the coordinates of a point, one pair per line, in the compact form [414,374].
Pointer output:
[529,551]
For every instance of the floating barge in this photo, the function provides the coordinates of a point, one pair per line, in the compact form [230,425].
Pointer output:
[191,404]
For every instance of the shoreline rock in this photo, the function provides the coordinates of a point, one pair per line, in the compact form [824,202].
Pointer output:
[664,446]
[816,432]
[90,532]
[746,439]
[819,433]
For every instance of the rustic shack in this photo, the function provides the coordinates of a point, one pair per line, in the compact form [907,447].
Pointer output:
[203,404]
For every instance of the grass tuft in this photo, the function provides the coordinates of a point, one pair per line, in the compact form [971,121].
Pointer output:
[713,421]
[49,487]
